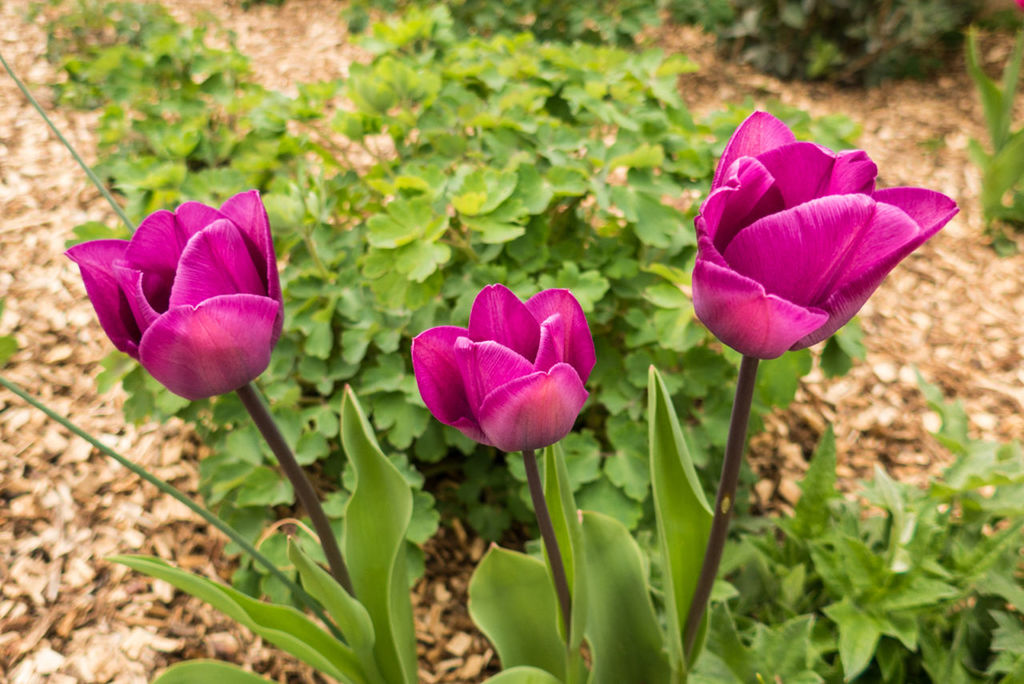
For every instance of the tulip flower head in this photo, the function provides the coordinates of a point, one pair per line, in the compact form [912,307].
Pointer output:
[514,378]
[194,296]
[794,238]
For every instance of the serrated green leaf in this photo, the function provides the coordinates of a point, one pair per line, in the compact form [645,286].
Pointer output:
[264,486]
[858,636]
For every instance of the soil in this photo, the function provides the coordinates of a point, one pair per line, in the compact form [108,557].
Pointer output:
[953,311]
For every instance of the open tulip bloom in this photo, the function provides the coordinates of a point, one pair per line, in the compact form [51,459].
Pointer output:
[194,295]
[514,378]
[794,238]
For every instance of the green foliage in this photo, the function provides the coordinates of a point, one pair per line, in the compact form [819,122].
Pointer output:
[1002,169]
[283,626]
[847,41]
[608,22]
[459,163]
[925,588]
[203,671]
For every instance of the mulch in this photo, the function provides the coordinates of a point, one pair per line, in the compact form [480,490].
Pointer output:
[954,312]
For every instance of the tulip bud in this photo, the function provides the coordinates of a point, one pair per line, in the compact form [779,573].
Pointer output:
[794,238]
[194,295]
[514,378]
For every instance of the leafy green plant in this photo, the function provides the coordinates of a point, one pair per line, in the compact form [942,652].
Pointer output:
[460,162]
[1002,169]
[924,587]
[849,41]
[609,22]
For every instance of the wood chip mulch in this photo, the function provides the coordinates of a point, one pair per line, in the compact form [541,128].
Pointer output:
[953,311]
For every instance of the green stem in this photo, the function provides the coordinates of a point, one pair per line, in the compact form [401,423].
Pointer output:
[85,167]
[726,498]
[547,533]
[303,488]
[180,496]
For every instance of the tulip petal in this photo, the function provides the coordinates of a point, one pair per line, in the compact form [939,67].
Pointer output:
[931,210]
[485,366]
[439,380]
[213,348]
[131,282]
[498,315]
[96,260]
[759,133]
[215,262]
[246,211]
[578,342]
[533,411]
[739,312]
[806,253]
[852,173]
[161,237]
[747,194]
[551,349]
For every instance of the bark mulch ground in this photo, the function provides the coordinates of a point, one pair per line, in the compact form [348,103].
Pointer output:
[954,311]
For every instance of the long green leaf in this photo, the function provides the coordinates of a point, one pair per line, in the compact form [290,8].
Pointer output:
[376,519]
[991,95]
[524,675]
[569,532]
[348,613]
[1011,74]
[625,639]
[682,513]
[208,672]
[283,626]
[512,600]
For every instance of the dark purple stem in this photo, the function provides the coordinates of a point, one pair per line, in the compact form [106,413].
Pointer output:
[547,533]
[303,488]
[725,500]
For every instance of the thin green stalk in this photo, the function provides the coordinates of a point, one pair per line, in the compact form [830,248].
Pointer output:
[547,533]
[725,500]
[303,488]
[85,167]
[173,491]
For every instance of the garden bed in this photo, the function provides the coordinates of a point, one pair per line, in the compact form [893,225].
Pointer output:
[954,311]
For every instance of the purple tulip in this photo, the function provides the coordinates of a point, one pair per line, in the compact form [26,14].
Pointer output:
[794,238]
[194,295]
[514,378]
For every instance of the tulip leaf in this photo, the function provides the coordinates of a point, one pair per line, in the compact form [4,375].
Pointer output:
[680,509]
[350,615]
[524,675]
[376,519]
[208,672]
[283,626]
[512,600]
[620,605]
[569,533]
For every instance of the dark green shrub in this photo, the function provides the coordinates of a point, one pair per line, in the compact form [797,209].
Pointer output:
[849,41]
